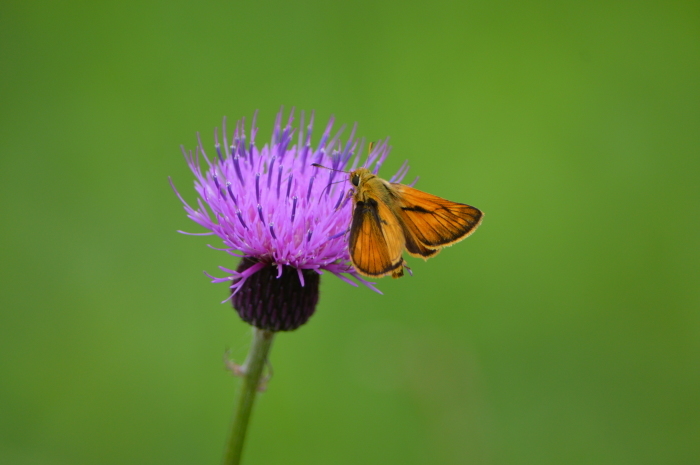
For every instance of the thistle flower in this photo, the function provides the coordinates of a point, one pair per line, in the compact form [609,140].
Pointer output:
[286,219]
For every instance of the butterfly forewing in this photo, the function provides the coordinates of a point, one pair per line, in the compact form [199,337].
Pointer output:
[431,221]
[376,239]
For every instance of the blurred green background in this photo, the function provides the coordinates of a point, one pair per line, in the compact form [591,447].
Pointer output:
[565,331]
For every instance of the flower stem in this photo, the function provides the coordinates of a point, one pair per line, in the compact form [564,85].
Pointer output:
[252,371]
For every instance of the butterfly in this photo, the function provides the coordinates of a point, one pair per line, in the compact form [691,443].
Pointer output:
[390,217]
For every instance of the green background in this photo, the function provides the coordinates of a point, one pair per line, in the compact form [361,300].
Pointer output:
[565,331]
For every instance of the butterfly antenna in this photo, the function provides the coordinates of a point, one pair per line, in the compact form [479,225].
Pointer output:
[330,184]
[332,169]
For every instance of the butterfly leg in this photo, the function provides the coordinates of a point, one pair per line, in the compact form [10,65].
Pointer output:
[349,195]
[398,272]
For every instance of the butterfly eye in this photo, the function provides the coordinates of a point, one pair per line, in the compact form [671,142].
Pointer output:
[355,179]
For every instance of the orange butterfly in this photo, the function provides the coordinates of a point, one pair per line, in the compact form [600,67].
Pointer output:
[390,217]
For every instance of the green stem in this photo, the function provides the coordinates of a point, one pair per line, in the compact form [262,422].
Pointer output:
[252,370]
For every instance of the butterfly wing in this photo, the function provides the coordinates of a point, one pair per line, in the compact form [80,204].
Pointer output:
[431,222]
[376,240]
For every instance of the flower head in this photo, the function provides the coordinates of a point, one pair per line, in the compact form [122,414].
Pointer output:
[280,213]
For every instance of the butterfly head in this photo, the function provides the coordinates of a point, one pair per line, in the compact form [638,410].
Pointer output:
[360,176]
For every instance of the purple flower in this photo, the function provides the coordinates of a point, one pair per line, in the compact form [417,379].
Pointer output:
[279,213]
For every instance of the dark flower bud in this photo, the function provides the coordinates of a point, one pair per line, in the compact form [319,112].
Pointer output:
[276,304]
